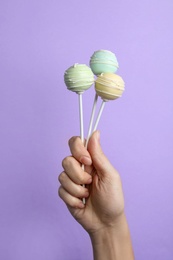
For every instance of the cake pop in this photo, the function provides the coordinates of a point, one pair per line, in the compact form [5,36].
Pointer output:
[103,61]
[79,78]
[108,86]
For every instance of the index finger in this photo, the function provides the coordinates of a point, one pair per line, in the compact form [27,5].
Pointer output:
[78,150]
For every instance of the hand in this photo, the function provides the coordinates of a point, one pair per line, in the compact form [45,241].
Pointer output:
[103,192]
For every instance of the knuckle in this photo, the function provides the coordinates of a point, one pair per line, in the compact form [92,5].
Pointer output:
[61,177]
[65,162]
[70,141]
[73,140]
[60,191]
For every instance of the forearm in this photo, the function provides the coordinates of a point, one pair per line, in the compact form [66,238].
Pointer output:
[113,243]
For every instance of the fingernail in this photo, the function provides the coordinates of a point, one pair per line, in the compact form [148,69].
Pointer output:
[89,181]
[81,205]
[86,193]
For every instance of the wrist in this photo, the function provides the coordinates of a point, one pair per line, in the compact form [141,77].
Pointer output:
[113,241]
[114,229]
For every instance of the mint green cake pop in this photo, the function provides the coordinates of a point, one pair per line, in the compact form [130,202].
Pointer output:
[103,61]
[78,78]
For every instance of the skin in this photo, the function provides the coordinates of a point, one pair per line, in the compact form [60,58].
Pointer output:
[103,214]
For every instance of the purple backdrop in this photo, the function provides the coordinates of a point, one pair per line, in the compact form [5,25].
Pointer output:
[38,41]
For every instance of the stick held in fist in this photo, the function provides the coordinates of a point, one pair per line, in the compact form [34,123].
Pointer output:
[103,214]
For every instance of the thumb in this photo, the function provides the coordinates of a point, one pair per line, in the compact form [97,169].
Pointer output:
[100,161]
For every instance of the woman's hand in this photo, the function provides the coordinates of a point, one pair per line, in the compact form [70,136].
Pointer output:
[103,190]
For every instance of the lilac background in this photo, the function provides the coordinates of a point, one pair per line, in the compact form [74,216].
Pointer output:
[38,41]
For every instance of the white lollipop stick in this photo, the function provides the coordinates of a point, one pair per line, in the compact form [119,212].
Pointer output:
[91,119]
[99,114]
[81,116]
[81,127]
